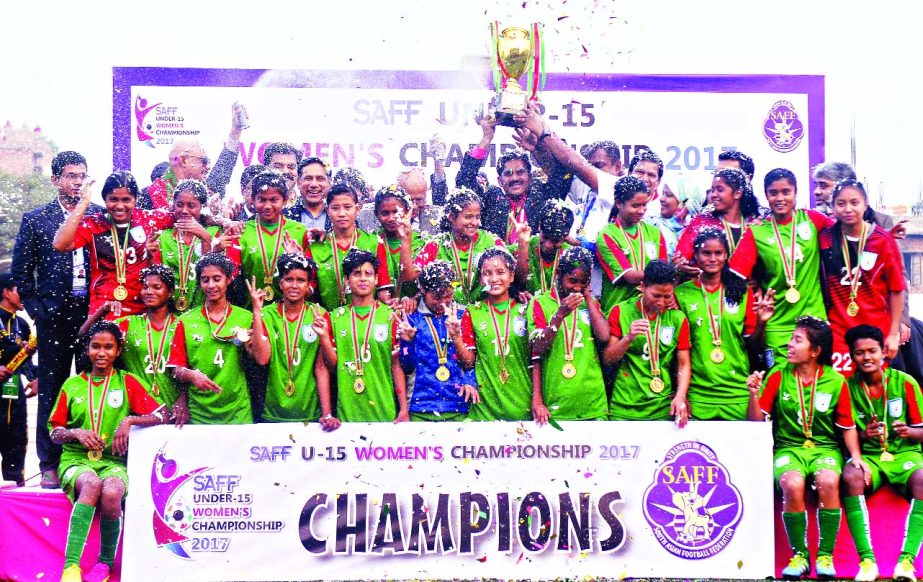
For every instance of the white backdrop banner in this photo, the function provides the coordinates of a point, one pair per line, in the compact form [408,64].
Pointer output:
[431,500]
[381,121]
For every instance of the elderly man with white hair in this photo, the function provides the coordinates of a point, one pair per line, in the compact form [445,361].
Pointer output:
[424,217]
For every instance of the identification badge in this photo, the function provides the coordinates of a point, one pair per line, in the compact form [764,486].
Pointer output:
[11,388]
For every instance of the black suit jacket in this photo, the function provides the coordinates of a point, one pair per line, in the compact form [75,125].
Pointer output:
[43,275]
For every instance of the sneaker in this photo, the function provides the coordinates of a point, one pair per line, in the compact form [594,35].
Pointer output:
[824,567]
[72,574]
[797,568]
[868,571]
[99,573]
[903,570]
[50,479]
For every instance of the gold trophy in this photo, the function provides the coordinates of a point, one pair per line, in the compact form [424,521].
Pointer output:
[516,51]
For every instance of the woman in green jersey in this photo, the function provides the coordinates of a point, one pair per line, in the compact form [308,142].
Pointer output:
[297,348]
[888,408]
[648,337]
[502,362]
[810,408]
[92,417]
[180,247]
[626,245]
[370,381]
[566,324]
[726,322]
[392,209]
[207,346]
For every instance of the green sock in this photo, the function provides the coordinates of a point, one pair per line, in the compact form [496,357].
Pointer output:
[913,533]
[796,528]
[828,522]
[857,518]
[81,518]
[109,532]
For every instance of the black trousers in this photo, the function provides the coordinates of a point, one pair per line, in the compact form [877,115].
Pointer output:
[13,437]
[57,350]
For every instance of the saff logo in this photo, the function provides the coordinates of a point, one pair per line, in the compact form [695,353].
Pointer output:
[692,506]
[172,514]
[782,128]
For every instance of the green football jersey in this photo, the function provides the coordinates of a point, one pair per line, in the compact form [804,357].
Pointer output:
[632,397]
[100,407]
[463,260]
[291,391]
[200,344]
[510,400]
[142,346]
[329,255]
[617,249]
[171,258]
[372,400]
[782,399]
[579,397]
[901,402]
[715,383]
[253,261]
[407,288]
[541,274]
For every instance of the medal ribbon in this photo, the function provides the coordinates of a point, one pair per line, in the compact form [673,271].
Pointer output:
[504,340]
[291,347]
[713,325]
[368,335]
[221,323]
[185,262]
[788,267]
[807,420]
[854,280]
[96,422]
[569,336]
[466,280]
[884,397]
[269,265]
[653,344]
[637,262]
[336,262]
[442,347]
[729,233]
[554,268]
[155,358]
[118,250]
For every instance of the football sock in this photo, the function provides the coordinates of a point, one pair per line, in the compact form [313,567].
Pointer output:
[81,518]
[828,522]
[857,518]
[796,528]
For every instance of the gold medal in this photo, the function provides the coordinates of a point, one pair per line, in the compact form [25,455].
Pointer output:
[657,385]
[808,444]
[94,455]
[120,293]
[155,389]
[182,304]
[568,370]
[504,375]
[442,373]
[853,309]
[290,388]
[886,456]
[792,295]
[243,335]
[359,385]
[717,355]
[270,294]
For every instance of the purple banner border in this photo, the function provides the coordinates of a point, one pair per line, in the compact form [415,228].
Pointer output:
[124,78]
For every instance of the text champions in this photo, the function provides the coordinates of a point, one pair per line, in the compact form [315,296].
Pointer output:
[341,524]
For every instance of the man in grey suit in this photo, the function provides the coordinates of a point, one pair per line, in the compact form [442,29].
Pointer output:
[53,288]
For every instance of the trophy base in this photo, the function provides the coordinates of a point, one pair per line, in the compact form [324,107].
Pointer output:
[505,118]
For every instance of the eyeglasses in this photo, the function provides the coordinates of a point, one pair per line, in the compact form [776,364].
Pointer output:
[74,177]
[203,159]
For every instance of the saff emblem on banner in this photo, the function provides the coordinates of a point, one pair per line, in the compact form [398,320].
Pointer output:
[692,506]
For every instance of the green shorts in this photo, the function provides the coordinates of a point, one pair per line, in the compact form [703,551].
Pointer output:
[805,461]
[441,417]
[103,468]
[726,411]
[896,472]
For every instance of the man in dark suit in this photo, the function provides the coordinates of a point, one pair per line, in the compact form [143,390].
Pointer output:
[53,287]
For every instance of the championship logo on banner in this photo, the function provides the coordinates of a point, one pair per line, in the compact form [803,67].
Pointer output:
[492,500]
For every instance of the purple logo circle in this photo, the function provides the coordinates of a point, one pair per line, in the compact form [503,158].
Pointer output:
[692,506]
[782,128]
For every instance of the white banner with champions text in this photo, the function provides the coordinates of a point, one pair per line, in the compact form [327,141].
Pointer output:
[468,500]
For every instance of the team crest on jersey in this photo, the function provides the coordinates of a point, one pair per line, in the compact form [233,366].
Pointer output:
[692,506]
[584,316]
[138,234]
[822,402]
[116,397]
[868,260]
[308,333]
[519,326]
[731,307]
[666,334]
[381,332]
[650,249]
[804,231]
[895,407]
